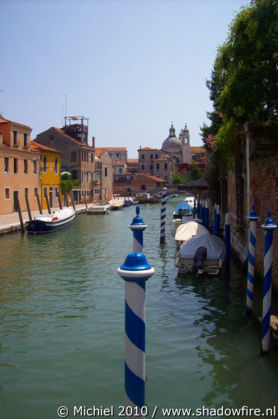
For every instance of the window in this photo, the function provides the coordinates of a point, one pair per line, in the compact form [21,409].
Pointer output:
[165,166]
[6,164]
[7,193]
[25,139]
[73,156]
[44,192]
[15,137]
[151,167]
[105,171]
[92,157]
[56,191]
[117,155]
[142,167]
[56,166]
[44,164]
[143,187]
[26,192]
[35,169]
[120,171]
[156,156]
[35,192]
[26,166]
[151,157]
[157,166]
[143,156]
[15,165]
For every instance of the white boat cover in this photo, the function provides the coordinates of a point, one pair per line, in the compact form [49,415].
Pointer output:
[215,246]
[57,215]
[188,230]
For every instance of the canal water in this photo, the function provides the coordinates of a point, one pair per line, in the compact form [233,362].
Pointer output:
[62,325]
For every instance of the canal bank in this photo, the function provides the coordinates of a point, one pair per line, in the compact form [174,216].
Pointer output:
[62,322]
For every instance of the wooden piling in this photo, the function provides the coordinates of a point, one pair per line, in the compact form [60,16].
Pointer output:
[19,213]
[59,199]
[39,203]
[72,201]
[28,207]
[47,203]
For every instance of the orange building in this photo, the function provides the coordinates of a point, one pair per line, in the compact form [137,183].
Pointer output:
[19,167]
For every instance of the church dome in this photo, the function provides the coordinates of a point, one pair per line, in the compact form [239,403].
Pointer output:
[172,143]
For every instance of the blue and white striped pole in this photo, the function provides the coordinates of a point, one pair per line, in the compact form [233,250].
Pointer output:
[217,220]
[251,260]
[214,220]
[135,271]
[227,240]
[206,214]
[268,227]
[137,226]
[163,215]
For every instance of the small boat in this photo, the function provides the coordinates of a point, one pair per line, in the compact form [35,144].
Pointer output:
[127,202]
[202,254]
[117,204]
[188,230]
[46,223]
[98,208]
[190,201]
[182,209]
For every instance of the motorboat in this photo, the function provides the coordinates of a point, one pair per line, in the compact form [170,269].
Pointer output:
[190,201]
[188,230]
[202,254]
[117,204]
[46,223]
[98,208]
[183,209]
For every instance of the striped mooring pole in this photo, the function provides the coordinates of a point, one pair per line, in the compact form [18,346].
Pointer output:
[252,218]
[137,226]
[227,240]
[163,215]
[214,220]
[206,214]
[268,227]
[135,272]
[217,221]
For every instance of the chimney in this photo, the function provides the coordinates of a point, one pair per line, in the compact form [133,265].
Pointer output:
[93,142]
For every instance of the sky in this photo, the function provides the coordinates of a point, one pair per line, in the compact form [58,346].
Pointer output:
[133,67]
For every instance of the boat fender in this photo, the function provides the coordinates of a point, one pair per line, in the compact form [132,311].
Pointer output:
[199,260]
[54,219]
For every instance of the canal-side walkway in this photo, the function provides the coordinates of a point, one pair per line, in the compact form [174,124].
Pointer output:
[11,222]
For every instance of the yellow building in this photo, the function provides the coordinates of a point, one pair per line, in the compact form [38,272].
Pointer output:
[50,173]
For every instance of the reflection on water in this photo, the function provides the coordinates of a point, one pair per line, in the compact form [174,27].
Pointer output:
[62,324]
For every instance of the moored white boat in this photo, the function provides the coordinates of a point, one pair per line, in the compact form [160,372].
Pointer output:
[188,230]
[201,254]
[117,204]
[46,223]
[98,208]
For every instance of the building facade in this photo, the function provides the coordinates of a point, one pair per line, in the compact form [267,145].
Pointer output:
[19,168]
[103,177]
[77,156]
[50,171]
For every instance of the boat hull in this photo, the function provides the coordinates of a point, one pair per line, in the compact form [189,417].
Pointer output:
[41,227]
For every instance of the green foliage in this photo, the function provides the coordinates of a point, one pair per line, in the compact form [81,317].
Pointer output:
[195,171]
[66,185]
[179,178]
[243,85]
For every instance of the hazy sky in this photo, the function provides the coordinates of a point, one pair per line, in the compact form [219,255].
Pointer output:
[132,67]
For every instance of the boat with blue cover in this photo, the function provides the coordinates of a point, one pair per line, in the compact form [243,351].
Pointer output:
[182,209]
